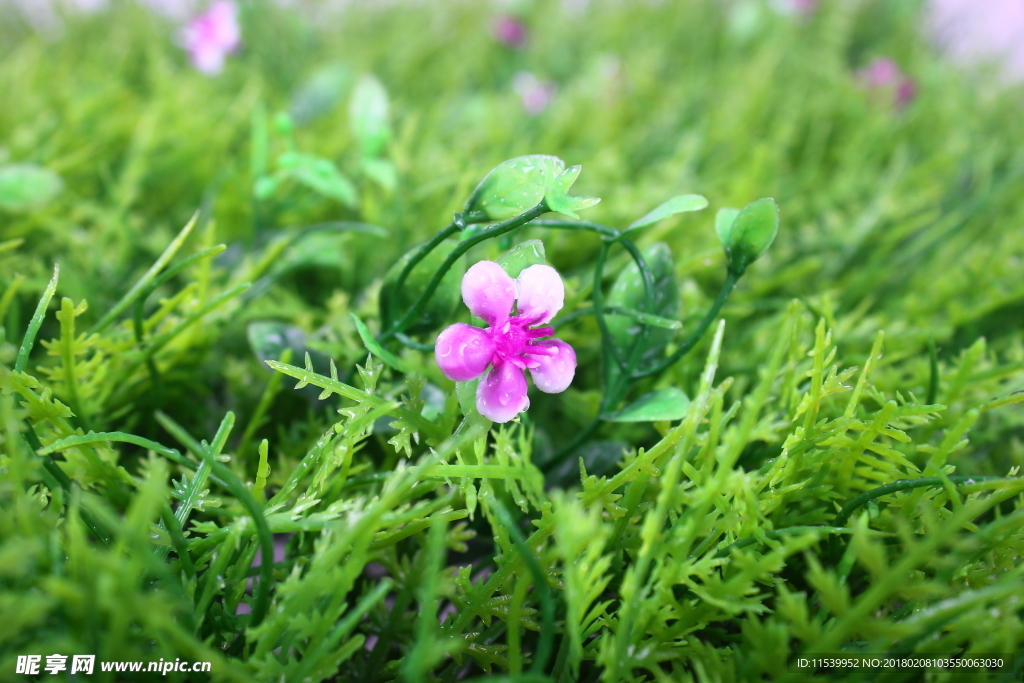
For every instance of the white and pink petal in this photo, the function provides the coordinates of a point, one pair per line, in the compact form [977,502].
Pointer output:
[489,292]
[502,393]
[463,352]
[553,367]
[541,293]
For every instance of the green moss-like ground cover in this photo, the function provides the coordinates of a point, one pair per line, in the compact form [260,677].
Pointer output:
[878,341]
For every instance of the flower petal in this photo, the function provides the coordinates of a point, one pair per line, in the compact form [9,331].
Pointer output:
[541,293]
[502,393]
[463,352]
[553,371]
[489,292]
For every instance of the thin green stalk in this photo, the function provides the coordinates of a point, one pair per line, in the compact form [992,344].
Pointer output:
[778,533]
[37,320]
[177,536]
[418,661]
[464,246]
[62,479]
[731,279]
[598,296]
[612,398]
[584,226]
[547,605]
[344,627]
[933,376]
[454,227]
[902,485]
[105,437]
[266,398]
[237,489]
[413,344]
[140,303]
[148,277]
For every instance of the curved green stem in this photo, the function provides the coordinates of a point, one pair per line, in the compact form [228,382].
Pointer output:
[779,533]
[636,350]
[413,344]
[598,296]
[454,227]
[723,295]
[464,246]
[584,226]
[902,485]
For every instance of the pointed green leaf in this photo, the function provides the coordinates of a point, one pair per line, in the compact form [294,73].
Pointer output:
[374,347]
[519,184]
[628,293]
[522,256]
[368,115]
[680,204]
[664,404]
[751,233]
[723,223]
[515,186]
[319,175]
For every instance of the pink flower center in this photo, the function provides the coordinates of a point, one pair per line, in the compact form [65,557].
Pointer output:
[513,342]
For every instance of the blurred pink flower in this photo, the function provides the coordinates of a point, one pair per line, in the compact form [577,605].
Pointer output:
[510,30]
[883,75]
[212,36]
[510,344]
[795,6]
[536,95]
[976,31]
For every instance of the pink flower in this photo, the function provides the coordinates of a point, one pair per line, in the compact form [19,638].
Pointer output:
[883,75]
[212,36]
[510,31]
[804,7]
[980,31]
[510,344]
[534,93]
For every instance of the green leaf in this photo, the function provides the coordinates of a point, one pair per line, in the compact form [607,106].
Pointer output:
[368,115]
[723,223]
[680,204]
[374,347]
[442,304]
[628,293]
[27,187]
[522,256]
[751,233]
[519,184]
[319,94]
[466,391]
[664,404]
[380,171]
[319,175]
